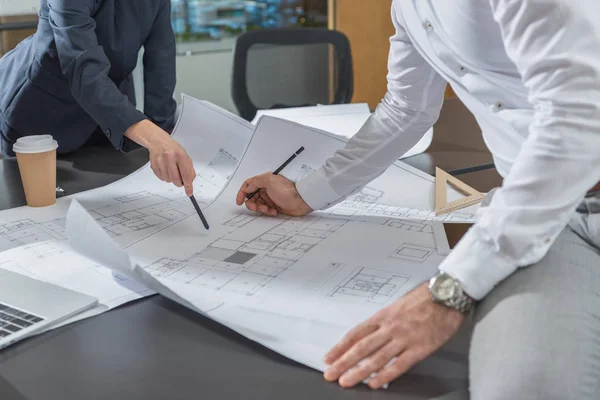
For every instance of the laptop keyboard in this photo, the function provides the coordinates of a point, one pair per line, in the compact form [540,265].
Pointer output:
[13,320]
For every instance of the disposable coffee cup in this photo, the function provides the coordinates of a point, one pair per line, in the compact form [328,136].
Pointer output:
[36,156]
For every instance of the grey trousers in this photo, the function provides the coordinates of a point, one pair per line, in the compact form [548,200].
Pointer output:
[537,334]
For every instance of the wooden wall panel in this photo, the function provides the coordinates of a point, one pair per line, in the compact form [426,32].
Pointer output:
[368,25]
[9,39]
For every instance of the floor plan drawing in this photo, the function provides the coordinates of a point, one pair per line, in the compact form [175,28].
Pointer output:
[218,269]
[240,220]
[410,225]
[369,285]
[24,232]
[126,214]
[394,216]
[245,265]
[58,227]
[305,170]
[133,197]
[412,252]
[44,250]
[147,211]
[219,169]
[367,195]
[317,281]
[224,162]
[281,281]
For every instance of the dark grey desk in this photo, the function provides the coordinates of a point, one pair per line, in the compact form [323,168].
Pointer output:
[157,349]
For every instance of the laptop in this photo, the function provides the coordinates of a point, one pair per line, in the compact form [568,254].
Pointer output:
[27,306]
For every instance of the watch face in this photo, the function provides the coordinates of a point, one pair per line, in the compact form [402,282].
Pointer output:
[444,288]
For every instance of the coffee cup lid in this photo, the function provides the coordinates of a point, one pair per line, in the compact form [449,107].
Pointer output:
[35,144]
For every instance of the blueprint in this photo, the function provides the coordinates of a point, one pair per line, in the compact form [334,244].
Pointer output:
[139,204]
[34,242]
[294,284]
[344,120]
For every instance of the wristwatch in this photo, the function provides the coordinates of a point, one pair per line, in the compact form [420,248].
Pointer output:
[446,290]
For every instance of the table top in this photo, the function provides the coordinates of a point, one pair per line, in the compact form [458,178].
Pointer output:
[157,349]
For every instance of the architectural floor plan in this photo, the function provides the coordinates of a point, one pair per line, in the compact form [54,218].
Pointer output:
[371,285]
[138,212]
[294,284]
[368,203]
[34,241]
[245,264]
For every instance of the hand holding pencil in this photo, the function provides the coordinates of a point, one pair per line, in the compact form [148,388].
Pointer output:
[271,193]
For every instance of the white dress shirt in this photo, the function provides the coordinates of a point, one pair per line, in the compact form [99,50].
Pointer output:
[530,73]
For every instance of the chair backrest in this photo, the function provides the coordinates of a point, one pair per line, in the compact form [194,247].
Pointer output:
[291,67]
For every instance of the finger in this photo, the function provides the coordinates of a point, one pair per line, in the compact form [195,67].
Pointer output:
[403,363]
[174,175]
[264,207]
[349,339]
[362,349]
[242,193]
[265,197]
[252,206]
[188,174]
[373,364]
[164,171]
[157,170]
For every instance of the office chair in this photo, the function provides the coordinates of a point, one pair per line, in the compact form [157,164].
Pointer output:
[291,67]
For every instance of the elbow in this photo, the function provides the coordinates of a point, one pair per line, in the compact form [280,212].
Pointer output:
[399,114]
[84,72]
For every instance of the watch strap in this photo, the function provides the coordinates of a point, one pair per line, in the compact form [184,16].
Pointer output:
[462,303]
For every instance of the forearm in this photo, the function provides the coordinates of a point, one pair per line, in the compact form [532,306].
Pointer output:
[388,134]
[410,107]
[147,134]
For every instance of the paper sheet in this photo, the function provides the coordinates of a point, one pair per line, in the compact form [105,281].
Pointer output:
[139,204]
[343,120]
[127,210]
[294,285]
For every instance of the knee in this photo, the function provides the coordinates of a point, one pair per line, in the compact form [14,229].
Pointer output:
[532,361]
[511,381]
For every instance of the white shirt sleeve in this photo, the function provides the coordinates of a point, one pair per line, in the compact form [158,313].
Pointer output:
[410,108]
[555,45]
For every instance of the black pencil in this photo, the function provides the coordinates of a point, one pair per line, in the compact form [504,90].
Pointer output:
[199,211]
[278,170]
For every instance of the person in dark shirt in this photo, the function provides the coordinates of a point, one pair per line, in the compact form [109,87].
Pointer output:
[68,80]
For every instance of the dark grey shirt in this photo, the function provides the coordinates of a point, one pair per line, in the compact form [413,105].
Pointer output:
[65,79]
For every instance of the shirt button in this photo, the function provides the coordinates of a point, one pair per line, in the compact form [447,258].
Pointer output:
[108,132]
[497,106]
[428,25]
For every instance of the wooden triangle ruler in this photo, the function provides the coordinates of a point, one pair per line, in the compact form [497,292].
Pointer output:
[442,180]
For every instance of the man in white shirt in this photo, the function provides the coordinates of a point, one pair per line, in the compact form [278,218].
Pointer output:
[530,73]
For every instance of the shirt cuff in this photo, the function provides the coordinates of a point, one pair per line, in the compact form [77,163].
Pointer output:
[477,265]
[115,128]
[316,191]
